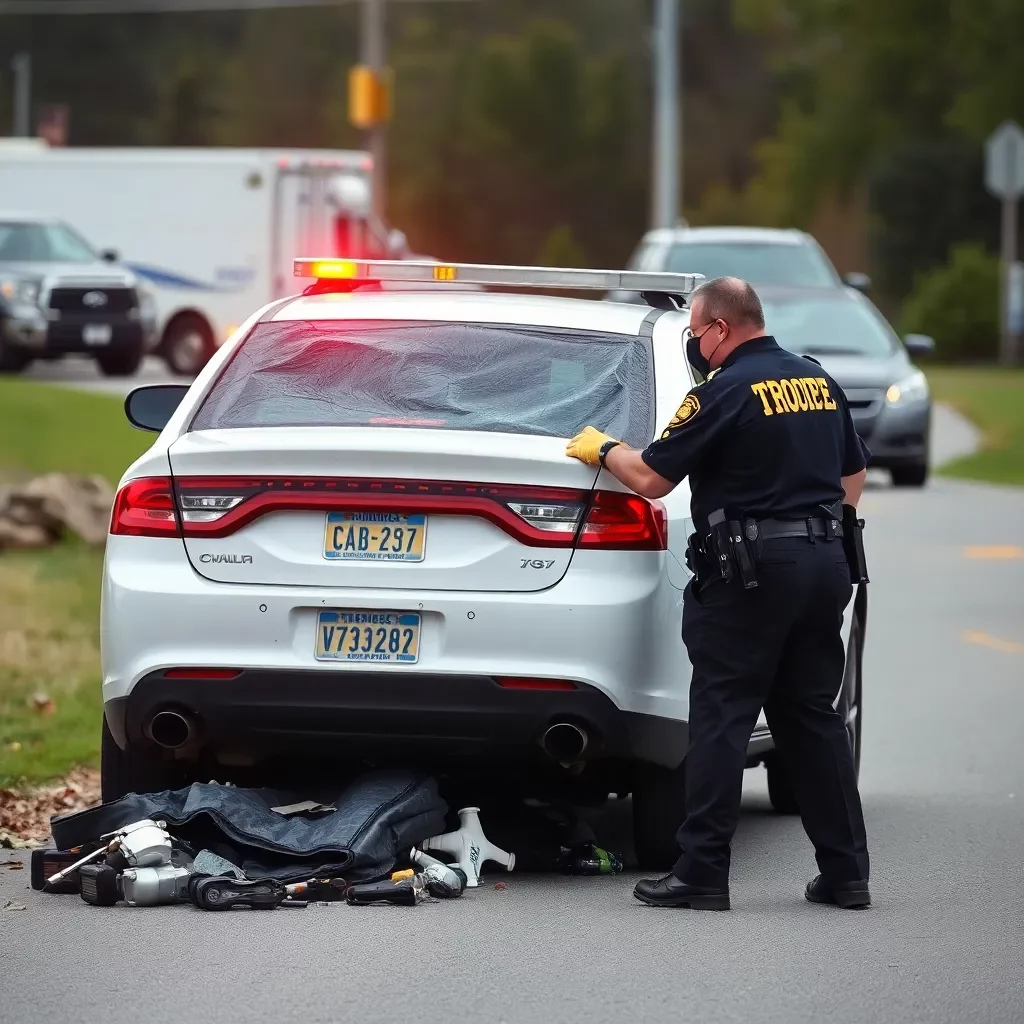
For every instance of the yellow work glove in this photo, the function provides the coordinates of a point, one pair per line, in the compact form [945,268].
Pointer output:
[586,446]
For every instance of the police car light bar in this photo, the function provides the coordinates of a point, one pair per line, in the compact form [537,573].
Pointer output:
[487,274]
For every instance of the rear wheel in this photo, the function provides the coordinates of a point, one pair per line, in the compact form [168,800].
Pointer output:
[781,792]
[123,363]
[910,476]
[659,807]
[187,345]
[135,770]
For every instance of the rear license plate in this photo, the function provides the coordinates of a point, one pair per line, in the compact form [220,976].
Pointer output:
[349,635]
[97,334]
[374,536]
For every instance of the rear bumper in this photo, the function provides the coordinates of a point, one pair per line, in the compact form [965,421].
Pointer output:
[367,714]
[612,632]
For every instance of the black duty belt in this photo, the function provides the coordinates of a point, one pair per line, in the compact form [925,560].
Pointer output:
[775,529]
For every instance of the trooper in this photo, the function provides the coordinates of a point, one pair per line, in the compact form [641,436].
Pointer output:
[776,469]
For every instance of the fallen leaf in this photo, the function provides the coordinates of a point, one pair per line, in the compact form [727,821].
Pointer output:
[42,704]
[15,865]
[11,905]
[25,816]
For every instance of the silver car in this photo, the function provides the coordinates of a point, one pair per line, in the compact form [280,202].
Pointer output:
[762,256]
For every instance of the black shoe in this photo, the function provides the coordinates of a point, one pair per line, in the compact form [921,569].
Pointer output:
[671,892]
[849,895]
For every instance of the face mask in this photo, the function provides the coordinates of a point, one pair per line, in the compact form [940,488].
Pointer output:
[695,357]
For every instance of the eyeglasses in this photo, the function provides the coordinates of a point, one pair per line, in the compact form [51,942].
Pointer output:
[688,332]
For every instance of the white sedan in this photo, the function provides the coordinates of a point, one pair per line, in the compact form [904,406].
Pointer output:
[358,535]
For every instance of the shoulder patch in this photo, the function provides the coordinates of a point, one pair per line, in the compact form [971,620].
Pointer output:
[685,412]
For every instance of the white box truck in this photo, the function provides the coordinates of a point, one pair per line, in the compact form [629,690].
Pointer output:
[211,232]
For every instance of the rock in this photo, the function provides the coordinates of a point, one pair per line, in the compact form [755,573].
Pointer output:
[18,535]
[61,501]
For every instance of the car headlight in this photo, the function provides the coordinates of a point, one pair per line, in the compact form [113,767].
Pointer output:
[20,289]
[911,389]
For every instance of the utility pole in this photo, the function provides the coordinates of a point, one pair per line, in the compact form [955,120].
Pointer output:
[21,65]
[373,48]
[666,185]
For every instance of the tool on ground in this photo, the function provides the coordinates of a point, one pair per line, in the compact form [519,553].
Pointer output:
[588,859]
[103,885]
[224,892]
[144,843]
[320,890]
[219,892]
[405,893]
[441,881]
[470,847]
[47,863]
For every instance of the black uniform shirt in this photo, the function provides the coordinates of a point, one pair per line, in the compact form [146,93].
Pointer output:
[768,436]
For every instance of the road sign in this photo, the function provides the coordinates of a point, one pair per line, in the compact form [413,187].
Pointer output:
[1004,161]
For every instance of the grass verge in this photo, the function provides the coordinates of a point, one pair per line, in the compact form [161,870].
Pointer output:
[992,398]
[47,429]
[49,600]
[50,697]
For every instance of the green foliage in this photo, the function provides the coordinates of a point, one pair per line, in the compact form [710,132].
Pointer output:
[923,194]
[896,94]
[958,305]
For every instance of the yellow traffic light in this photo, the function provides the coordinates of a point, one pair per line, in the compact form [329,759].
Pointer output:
[369,96]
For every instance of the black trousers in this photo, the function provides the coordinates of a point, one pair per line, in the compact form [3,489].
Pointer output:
[777,646]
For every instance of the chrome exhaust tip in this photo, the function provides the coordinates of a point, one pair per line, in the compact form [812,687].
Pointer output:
[171,729]
[564,741]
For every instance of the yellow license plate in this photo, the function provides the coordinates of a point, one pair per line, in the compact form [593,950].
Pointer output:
[374,536]
[349,635]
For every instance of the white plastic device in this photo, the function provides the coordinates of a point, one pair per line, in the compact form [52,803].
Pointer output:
[470,847]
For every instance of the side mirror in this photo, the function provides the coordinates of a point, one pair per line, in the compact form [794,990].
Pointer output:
[152,406]
[919,345]
[110,255]
[858,280]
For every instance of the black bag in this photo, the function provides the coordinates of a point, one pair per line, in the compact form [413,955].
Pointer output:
[377,818]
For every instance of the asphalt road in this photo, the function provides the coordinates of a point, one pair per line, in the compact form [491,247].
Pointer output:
[943,787]
[82,374]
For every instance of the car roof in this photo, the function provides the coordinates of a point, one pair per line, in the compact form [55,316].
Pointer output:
[470,307]
[797,293]
[21,217]
[739,235]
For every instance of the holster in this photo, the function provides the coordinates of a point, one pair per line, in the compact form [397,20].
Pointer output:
[735,548]
[853,545]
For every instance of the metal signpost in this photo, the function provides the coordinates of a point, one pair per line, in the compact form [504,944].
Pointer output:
[1004,178]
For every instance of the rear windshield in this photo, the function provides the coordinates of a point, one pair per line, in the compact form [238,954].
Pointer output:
[761,263]
[455,376]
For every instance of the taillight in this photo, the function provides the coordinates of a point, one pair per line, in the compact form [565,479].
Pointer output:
[144,508]
[545,517]
[619,521]
[535,516]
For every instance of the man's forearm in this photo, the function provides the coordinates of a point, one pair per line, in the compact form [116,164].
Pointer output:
[627,465]
[853,487]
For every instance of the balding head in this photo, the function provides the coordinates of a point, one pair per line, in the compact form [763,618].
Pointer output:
[728,299]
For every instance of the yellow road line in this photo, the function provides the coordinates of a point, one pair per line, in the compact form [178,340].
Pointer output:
[1004,552]
[984,640]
